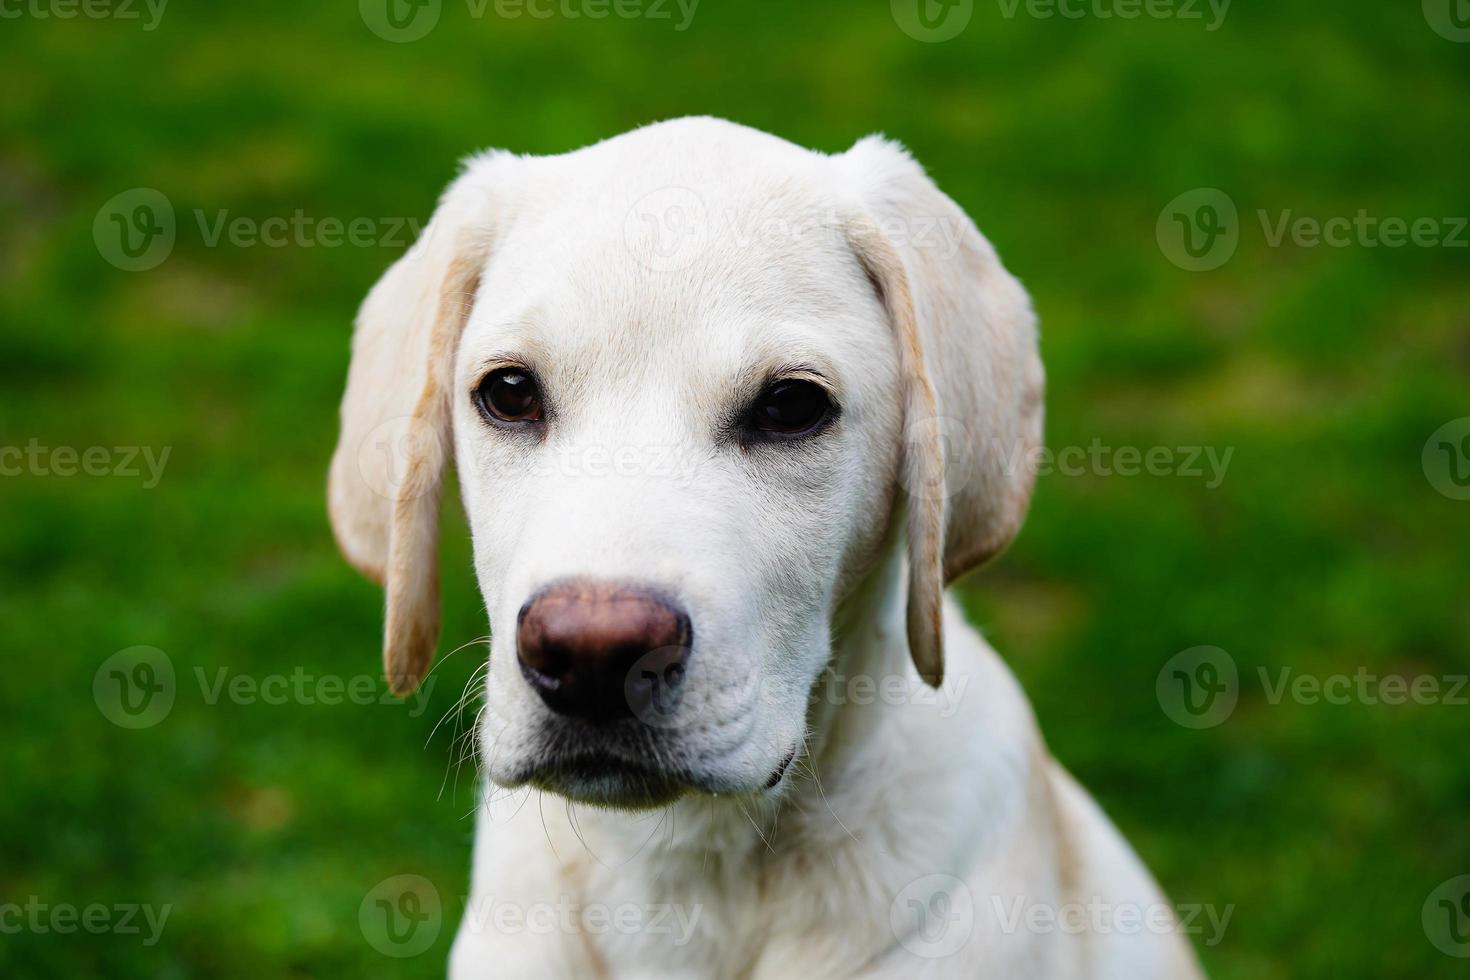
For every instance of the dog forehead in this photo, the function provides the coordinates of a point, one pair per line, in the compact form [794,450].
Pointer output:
[689,198]
[684,152]
[699,240]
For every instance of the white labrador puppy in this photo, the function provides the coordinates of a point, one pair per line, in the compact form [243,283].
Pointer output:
[728,415]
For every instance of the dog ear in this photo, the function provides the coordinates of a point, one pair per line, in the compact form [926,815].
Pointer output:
[974,383]
[383,488]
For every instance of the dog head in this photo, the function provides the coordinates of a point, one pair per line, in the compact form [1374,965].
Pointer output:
[693,379]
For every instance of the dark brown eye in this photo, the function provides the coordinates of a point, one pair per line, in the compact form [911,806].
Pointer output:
[509,395]
[790,408]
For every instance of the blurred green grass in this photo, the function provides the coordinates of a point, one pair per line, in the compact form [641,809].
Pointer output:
[1325,549]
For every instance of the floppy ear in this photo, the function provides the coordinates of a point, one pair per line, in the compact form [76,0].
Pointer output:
[974,381]
[383,489]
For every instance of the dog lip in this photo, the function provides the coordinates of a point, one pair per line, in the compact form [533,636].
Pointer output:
[601,764]
[780,772]
[609,776]
[609,779]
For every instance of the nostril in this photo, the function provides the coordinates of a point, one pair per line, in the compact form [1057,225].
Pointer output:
[603,651]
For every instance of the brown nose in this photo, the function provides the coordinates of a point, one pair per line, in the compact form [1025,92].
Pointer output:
[602,651]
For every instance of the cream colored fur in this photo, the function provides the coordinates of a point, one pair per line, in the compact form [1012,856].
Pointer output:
[650,281]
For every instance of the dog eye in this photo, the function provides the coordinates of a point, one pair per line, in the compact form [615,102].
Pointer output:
[509,395]
[790,408]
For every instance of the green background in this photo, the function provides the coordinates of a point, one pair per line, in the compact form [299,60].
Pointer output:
[1326,549]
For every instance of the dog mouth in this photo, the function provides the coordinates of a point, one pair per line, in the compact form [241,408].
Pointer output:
[780,772]
[609,778]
